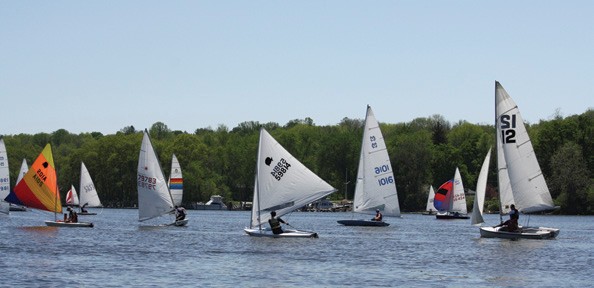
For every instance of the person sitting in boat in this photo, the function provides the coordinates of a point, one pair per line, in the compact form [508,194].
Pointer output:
[511,225]
[72,216]
[378,216]
[275,223]
[180,213]
[82,208]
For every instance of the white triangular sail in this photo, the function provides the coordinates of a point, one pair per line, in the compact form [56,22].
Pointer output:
[176,182]
[430,207]
[4,178]
[23,171]
[376,186]
[527,183]
[154,198]
[88,193]
[481,187]
[283,184]
[72,197]
[458,197]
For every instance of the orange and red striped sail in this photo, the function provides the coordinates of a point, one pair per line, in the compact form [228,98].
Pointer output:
[39,187]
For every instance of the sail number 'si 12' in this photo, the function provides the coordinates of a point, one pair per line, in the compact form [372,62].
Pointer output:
[508,126]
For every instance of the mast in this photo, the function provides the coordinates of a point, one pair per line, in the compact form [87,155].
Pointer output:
[498,151]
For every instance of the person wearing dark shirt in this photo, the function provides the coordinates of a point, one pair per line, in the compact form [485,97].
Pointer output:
[275,223]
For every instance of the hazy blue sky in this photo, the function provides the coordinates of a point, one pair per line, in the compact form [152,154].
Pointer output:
[89,66]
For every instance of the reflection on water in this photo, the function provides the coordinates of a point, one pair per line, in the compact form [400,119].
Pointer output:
[414,251]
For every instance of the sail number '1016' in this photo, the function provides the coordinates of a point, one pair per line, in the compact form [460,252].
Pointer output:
[384,180]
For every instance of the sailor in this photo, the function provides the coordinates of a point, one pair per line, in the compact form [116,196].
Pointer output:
[378,215]
[275,223]
[180,213]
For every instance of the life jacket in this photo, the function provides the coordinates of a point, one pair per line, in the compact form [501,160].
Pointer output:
[274,223]
[514,214]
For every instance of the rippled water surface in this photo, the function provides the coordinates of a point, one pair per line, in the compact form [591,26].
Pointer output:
[414,251]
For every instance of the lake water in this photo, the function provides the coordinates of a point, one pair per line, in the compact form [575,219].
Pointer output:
[414,251]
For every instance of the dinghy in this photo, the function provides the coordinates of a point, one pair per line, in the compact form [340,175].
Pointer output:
[4,179]
[154,198]
[282,184]
[88,194]
[521,181]
[376,187]
[39,190]
[450,200]
[430,209]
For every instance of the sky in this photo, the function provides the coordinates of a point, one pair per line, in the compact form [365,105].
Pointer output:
[100,66]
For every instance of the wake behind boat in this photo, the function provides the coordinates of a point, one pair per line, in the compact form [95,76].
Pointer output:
[375,188]
[282,184]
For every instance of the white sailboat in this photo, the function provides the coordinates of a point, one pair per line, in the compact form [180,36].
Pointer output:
[88,194]
[22,172]
[72,197]
[4,179]
[481,186]
[282,184]
[154,198]
[430,209]
[176,182]
[375,188]
[520,178]
[450,200]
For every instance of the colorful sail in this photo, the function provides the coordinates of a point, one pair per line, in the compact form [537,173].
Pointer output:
[39,187]
[72,197]
[176,181]
[443,196]
[4,178]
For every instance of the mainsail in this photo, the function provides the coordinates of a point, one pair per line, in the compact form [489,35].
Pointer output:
[72,197]
[176,181]
[523,179]
[376,186]
[88,193]
[39,187]
[154,198]
[283,184]
[4,178]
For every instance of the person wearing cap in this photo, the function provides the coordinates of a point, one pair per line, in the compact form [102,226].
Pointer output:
[275,223]
[378,215]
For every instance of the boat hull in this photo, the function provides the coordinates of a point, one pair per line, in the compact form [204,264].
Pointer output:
[180,223]
[286,234]
[362,222]
[17,208]
[524,233]
[69,224]
[86,213]
[450,216]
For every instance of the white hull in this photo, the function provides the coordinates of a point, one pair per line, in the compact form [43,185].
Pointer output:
[523,233]
[180,223]
[68,224]
[362,222]
[287,233]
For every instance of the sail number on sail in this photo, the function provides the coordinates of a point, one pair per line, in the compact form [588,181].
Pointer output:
[384,180]
[40,177]
[508,126]
[90,187]
[147,182]
[280,169]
